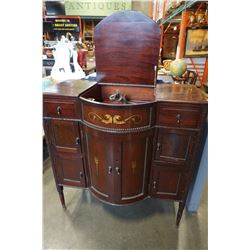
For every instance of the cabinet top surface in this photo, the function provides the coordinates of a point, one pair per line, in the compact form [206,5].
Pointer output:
[163,92]
[72,88]
[180,93]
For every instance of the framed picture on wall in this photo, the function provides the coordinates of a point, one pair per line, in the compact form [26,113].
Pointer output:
[196,44]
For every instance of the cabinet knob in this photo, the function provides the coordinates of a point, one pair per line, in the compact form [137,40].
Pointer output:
[110,169]
[59,110]
[178,118]
[117,170]
[77,140]
[154,184]
[81,175]
[158,146]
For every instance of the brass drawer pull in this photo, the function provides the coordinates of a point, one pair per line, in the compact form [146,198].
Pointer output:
[81,175]
[77,140]
[110,169]
[59,110]
[178,118]
[117,170]
[158,146]
[154,185]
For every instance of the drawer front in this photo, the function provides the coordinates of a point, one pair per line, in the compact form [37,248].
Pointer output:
[61,108]
[120,118]
[178,116]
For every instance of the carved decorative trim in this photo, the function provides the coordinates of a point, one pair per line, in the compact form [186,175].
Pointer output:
[117,130]
[116,119]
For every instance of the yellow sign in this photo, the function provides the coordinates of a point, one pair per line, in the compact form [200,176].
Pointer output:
[61,24]
[95,8]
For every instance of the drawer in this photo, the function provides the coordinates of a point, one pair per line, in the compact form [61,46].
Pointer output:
[179,116]
[61,108]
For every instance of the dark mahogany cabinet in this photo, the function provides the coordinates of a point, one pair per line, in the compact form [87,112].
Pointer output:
[124,137]
[118,164]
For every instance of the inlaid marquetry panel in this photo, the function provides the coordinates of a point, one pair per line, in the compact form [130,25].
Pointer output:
[134,167]
[124,117]
[100,157]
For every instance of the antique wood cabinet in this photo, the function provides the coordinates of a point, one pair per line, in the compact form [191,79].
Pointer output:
[124,137]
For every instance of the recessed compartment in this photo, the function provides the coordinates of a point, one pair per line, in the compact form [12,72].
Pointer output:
[133,109]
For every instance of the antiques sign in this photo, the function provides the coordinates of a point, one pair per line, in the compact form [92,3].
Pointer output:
[95,8]
[65,24]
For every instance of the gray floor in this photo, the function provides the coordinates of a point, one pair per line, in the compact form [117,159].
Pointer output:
[90,224]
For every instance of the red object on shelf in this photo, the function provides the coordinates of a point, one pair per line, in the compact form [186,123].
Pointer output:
[82,57]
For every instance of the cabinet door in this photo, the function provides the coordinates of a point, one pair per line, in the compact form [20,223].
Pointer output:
[135,165]
[167,183]
[101,159]
[174,145]
[65,136]
[69,169]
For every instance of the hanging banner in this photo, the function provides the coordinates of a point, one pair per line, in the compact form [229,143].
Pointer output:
[95,8]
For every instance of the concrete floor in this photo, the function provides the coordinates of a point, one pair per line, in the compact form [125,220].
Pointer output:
[90,224]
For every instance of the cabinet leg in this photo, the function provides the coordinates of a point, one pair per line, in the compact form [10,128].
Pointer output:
[61,195]
[179,213]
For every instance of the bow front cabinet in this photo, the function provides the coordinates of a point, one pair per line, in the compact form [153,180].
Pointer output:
[146,144]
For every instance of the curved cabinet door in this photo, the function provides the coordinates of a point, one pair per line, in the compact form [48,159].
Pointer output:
[119,165]
[100,157]
[136,160]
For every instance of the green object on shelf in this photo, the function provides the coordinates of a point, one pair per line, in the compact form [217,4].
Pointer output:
[178,67]
[46,82]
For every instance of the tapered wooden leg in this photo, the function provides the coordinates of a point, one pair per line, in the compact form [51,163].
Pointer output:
[179,213]
[61,195]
